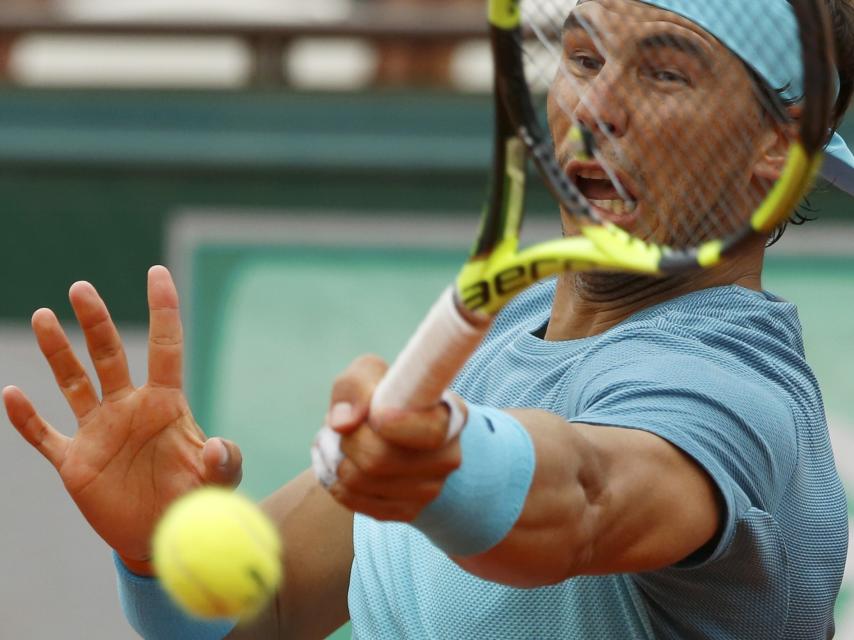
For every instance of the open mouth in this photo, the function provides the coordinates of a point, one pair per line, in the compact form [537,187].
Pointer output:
[611,202]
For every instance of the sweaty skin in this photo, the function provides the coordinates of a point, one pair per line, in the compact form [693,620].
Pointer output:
[637,100]
[673,113]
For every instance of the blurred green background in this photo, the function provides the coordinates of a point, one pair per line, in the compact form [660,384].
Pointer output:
[90,178]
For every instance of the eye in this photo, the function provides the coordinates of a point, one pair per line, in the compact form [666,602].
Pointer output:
[668,76]
[585,62]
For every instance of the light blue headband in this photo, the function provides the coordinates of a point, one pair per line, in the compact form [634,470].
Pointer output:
[766,30]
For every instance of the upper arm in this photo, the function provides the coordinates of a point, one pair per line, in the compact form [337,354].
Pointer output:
[656,505]
[662,454]
[317,535]
[602,500]
[687,432]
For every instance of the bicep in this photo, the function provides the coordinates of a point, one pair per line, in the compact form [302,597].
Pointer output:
[317,536]
[603,500]
[657,505]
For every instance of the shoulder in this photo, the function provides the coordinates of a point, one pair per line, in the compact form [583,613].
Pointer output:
[730,326]
[725,346]
[728,311]
[712,380]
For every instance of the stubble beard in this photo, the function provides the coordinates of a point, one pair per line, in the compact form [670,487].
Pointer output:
[626,288]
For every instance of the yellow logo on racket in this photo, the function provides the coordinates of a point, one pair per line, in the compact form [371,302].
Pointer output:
[504,14]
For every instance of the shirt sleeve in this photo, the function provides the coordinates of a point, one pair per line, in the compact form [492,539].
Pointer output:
[734,421]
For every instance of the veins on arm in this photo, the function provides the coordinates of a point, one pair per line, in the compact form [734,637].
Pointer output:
[603,500]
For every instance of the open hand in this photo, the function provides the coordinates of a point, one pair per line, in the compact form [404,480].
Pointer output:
[136,449]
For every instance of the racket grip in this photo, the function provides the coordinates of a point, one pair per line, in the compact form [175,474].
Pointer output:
[431,359]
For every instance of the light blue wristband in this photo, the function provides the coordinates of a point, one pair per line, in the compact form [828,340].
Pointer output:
[482,500]
[154,616]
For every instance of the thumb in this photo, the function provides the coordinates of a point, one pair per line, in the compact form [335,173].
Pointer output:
[351,394]
[223,462]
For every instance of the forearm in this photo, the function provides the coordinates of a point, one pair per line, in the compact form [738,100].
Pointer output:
[318,554]
[556,527]
[312,602]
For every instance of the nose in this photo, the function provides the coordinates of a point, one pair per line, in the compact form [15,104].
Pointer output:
[602,105]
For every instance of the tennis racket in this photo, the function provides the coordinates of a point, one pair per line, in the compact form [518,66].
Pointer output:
[668,132]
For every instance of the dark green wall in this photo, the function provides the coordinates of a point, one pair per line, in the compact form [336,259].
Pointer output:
[88,179]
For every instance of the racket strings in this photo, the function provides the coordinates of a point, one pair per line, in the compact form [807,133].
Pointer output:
[548,63]
[544,58]
[682,223]
[698,220]
[548,28]
[710,205]
[597,154]
[725,215]
[696,223]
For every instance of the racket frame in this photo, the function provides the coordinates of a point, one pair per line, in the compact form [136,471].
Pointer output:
[497,271]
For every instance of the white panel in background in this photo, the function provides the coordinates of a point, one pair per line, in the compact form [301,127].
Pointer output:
[330,63]
[471,67]
[206,10]
[137,61]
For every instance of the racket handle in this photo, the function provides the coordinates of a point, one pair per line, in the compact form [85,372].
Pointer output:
[431,359]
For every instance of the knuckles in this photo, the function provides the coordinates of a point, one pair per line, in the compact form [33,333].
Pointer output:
[343,496]
[343,385]
[374,462]
[435,433]
[349,475]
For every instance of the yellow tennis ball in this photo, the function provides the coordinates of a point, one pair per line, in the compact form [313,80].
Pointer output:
[217,554]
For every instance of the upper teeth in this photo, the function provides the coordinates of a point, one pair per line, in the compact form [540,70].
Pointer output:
[615,206]
[593,174]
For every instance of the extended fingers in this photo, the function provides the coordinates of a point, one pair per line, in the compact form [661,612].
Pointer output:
[70,375]
[103,341]
[35,429]
[165,336]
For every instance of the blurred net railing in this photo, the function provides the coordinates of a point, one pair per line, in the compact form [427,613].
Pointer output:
[375,44]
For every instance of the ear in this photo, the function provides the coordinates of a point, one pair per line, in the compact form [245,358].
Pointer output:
[774,146]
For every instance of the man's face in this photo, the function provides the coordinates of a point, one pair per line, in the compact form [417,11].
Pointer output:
[674,115]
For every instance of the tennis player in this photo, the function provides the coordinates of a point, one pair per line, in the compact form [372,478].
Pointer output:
[641,459]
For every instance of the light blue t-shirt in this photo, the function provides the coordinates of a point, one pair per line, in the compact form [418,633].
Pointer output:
[721,374]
